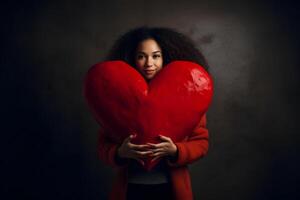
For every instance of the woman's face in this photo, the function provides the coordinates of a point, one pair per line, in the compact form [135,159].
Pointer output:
[148,58]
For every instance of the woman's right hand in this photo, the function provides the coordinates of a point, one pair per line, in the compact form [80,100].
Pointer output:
[133,151]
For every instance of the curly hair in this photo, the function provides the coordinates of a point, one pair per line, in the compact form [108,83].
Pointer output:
[174,45]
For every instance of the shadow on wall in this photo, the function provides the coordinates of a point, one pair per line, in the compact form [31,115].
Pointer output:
[283,178]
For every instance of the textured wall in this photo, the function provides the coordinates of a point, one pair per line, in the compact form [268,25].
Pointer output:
[49,137]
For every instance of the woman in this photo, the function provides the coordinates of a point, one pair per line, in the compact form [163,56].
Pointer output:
[148,50]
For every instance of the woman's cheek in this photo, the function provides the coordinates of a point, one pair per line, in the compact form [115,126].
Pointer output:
[140,65]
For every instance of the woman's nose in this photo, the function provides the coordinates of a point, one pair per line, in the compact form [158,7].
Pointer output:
[149,62]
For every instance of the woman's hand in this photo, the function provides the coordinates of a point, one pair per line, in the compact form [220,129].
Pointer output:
[133,151]
[165,148]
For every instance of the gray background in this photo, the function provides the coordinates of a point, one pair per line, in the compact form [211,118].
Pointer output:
[48,136]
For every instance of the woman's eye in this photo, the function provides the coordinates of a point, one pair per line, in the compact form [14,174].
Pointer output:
[140,56]
[156,56]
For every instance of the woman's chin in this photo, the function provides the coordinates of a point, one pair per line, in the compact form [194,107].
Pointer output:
[149,77]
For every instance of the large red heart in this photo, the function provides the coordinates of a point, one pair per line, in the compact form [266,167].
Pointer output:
[171,104]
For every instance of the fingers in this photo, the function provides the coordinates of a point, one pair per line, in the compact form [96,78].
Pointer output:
[155,158]
[157,150]
[136,146]
[142,153]
[139,147]
[151,145]
[159,145]
[164,138]
[159,153]
[149,149]
[129,138]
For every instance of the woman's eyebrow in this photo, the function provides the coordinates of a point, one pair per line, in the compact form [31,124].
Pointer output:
[141,52]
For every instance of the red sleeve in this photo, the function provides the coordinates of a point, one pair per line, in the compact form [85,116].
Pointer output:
[194,148]
[107,151]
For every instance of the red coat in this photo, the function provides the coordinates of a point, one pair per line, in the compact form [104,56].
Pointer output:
[191,149]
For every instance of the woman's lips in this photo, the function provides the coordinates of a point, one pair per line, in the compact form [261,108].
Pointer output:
[149,72]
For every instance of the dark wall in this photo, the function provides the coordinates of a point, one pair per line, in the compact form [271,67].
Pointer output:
[48,136]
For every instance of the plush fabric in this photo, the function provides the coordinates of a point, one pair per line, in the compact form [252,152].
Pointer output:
[122,102]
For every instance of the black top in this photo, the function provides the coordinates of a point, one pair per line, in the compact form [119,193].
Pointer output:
[157,175]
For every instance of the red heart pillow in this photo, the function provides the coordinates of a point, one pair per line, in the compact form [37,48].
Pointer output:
[171,104]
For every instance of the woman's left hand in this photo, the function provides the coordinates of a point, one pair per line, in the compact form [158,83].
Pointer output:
[165,148]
